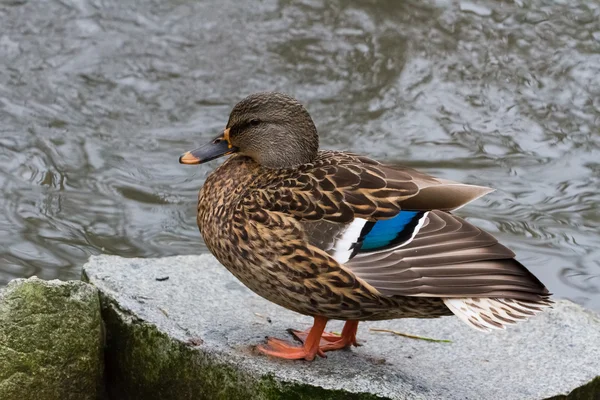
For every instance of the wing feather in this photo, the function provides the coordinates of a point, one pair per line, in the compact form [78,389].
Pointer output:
[449,258]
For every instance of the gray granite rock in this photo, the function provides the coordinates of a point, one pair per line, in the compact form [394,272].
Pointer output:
[183,328]
[50,341]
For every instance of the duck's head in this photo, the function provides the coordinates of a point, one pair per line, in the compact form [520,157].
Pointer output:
[272,128]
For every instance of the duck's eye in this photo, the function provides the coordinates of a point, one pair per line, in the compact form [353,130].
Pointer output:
[254,122]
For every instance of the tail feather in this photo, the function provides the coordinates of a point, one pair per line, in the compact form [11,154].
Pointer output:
[486,314]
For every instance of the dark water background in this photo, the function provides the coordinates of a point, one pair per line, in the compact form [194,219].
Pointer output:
[98,98]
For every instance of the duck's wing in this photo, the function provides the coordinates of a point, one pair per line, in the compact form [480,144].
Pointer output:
[448,257]
[341,197]
[477,277]
[392,228]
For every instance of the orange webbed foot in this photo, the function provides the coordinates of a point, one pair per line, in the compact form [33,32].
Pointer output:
[282,349]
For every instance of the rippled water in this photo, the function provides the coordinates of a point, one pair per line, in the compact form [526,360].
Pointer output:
[98,98]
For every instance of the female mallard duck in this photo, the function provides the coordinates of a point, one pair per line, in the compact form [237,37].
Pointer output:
[336,235]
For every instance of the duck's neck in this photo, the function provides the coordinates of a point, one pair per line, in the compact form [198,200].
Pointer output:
[286,161]
[287,151]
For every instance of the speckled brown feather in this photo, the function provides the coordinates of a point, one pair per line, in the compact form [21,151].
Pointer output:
[251,219]
[256,234]
[336,186]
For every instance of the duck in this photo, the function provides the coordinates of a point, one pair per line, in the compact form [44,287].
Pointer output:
[337,235]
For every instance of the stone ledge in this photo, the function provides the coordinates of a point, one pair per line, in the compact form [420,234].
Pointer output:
[191,335]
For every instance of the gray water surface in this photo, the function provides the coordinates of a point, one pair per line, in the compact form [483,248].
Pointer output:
[98,98]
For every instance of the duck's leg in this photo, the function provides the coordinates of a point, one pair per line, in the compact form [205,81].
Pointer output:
[282,349]
[330,341]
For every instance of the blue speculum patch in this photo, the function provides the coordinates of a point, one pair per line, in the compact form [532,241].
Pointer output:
[389,232]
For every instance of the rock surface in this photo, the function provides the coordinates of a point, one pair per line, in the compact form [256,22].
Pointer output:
[50,341]
[183,328]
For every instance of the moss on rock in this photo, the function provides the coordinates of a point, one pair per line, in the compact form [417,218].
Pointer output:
[50,341]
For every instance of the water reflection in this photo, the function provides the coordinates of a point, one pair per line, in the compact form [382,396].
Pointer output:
[98,98]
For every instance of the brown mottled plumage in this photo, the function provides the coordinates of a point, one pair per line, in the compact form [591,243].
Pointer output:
[293,224]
